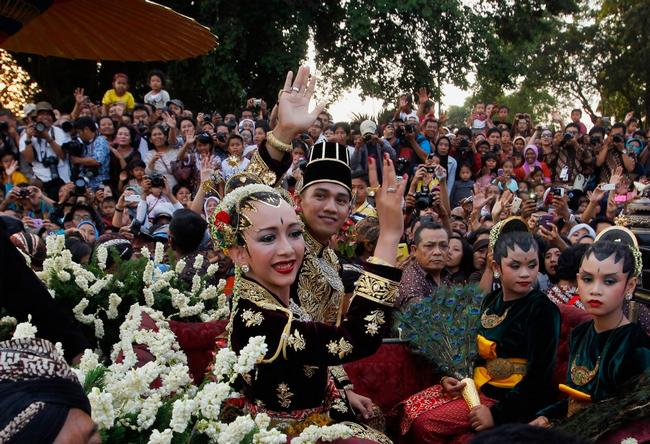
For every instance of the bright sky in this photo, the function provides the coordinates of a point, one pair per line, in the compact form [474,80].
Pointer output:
[352,101]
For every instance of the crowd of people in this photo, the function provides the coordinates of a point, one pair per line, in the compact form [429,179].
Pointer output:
[396,208]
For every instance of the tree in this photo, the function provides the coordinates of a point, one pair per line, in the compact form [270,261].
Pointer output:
[383,48]
[16,88]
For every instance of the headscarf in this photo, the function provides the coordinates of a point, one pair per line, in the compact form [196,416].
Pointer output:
[30,244]
[527,167]
[87,222]
[37,390]
[443,159]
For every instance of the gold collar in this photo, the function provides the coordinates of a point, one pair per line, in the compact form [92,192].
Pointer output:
[313,246]
[257,294]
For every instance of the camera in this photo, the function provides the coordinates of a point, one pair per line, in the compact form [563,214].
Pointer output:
[568,136]
[141,128]
[204,138]
[257,102]
[302,164]
[401,165]
[367,137]
[430,169]
[52,162]
[80,185]
[399,132]
[157,180]
[23,193]
[463,146]
[304,137]
[423,199]
[136,227]
[618,138]
[409,128]
[67,127]
[221,137]
[207,117]
[231,124]
[73,148]
[39,127]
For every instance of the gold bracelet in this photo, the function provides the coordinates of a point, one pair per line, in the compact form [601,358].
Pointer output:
[278,144]
[377,261]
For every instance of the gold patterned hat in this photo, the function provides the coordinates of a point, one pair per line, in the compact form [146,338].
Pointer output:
[513,223]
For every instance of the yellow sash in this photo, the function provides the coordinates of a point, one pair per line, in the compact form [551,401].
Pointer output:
[498,372]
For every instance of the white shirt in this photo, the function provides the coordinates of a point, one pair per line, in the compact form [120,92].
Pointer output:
[42,149]
[227,171]
[163,166]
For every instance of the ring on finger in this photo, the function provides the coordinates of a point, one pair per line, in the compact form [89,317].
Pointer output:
[391,190]
[295,89]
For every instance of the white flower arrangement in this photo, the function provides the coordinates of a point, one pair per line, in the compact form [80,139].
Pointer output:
[25,330]
[127,403]
[100,299]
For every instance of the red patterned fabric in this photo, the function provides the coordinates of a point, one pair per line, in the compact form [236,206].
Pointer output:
[197,339]
[432,417]
[391,375]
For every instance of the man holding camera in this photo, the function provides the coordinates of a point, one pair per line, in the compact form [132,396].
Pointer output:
[90,154]
[370,145]
[612,153]
[40,145]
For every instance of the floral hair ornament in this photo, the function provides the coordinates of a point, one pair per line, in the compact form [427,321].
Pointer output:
[223,233]
[513,223]
[622,235]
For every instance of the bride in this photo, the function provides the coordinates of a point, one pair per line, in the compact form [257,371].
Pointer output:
[264,237]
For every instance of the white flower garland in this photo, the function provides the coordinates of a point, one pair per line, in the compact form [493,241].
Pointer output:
[25,330]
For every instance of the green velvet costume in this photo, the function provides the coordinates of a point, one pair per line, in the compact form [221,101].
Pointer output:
[621,355]
[530,330]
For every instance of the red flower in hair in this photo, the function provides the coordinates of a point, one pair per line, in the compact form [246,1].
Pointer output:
[222,216]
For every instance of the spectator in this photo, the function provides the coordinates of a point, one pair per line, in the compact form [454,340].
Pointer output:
[93,164]
[119,94]
[159,160]
[565,291]
[40,145]
[460,261]
[183,194]
[426,270]
[123,153]
[362,207]
[530,163]
[236,162]
[443,145]
[368,144]
[157,96]
[10,175]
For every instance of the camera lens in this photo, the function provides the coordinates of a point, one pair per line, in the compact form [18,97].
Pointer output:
[39,127]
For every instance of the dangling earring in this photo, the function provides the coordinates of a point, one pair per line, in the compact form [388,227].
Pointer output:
[629,296]
[245,268]
[496,275]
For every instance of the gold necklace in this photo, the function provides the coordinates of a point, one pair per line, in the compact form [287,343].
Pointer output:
[580,374]
[491,321]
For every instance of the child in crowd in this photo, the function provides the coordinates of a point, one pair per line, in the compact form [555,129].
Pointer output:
[133,175]
[159,195]
[478,119]
[488,170]
[236,162]
[157,97]
[504,178]
[463,186]
[119,93]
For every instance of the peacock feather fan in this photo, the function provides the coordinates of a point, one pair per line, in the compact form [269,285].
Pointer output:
[442,327]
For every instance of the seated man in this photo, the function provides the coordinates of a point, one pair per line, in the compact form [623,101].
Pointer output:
[426,271]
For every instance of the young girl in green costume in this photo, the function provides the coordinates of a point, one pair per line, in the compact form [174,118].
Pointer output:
[609,350]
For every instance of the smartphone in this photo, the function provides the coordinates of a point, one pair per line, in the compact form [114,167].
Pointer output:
[500,172]
[620,198]
[516,205]
[607,187]
[132,198]
[38,222]
[545,221]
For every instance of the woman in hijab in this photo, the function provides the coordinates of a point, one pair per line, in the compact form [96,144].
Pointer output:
[530,162]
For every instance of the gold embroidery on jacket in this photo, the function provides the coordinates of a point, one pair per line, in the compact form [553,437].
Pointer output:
[284,395]
[252,318]
[296,341]
[375,320]
[340,349]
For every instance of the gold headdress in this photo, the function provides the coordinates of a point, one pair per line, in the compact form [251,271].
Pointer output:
[618,234]
[227,221]
[513,223]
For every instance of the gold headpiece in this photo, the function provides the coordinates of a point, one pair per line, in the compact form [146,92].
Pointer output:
[513,223]
[610,235]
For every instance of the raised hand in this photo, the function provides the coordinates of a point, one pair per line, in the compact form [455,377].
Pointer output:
[388,200]
[79,96]
[480,197]
[423,94]
[293,105]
